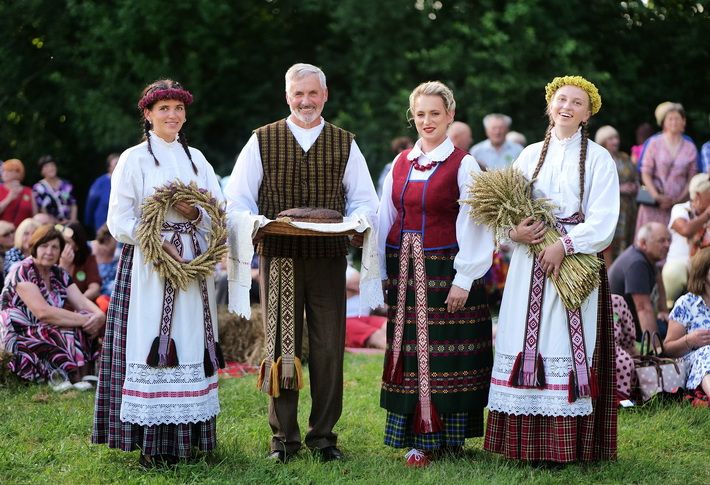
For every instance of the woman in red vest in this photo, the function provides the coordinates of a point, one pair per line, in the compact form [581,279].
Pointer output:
[438,361]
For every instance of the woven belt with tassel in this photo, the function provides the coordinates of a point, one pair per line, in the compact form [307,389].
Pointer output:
[284,372]
[163,352]
[426,418]
[528,370]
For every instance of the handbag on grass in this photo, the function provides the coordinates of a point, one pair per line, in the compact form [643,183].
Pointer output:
[644,197]
[657,374]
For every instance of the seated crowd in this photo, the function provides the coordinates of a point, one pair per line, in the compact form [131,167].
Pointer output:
[56,285]
[660,264]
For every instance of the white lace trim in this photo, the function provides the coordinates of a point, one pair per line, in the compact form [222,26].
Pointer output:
[536,402]
[171,395]
[556,368]
[143,374]
[178,413]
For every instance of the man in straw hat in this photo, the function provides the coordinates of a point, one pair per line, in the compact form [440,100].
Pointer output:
[294,162]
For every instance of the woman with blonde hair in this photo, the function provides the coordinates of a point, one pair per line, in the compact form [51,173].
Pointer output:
[21,249]
[438,358]
[552,393]
[669,162]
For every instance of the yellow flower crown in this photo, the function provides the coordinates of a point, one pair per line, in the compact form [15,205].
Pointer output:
[594,99]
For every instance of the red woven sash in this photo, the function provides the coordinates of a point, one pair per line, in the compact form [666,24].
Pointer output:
[528,370]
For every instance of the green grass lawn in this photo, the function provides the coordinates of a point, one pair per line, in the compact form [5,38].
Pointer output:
[44,438]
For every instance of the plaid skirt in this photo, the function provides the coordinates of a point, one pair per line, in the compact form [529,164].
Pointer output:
[456,428]
[165,439]
[565,439]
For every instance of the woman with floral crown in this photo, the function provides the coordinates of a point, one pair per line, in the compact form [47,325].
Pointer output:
[552,396]
[158,382]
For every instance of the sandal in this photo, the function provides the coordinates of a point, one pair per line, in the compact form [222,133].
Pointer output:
[58,381]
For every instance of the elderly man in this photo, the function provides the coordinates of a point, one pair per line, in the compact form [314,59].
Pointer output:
[295,162]
[634,276]
[495,152]
[689,233]
[460,135]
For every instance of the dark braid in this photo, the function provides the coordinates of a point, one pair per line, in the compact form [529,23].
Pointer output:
[183,141]
[146,134]
[582,164]
[543,153]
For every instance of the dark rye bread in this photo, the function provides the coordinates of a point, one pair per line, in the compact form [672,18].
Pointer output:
[312,214]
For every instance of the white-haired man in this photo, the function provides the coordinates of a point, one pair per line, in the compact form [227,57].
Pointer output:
[634,276]
[495,152]
[302,161]
[689,232]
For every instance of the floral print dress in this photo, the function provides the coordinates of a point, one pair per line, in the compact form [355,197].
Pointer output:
[691,311]
[625,340]
[40,348]
[57,202]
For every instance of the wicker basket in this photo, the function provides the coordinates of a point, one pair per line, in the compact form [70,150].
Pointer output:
[283,228]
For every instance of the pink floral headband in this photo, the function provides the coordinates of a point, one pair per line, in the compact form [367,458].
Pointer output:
[160,94]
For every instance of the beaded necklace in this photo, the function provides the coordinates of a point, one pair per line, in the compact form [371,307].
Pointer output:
[423,168]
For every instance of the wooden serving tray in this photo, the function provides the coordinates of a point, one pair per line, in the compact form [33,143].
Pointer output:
[280,228]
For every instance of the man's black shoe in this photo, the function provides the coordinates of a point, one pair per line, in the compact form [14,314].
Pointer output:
[329,453]
[279,455]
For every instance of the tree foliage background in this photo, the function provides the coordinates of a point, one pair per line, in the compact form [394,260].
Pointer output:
[73,70]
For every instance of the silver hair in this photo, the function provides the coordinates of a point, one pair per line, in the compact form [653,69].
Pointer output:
[301,70]
[646,231]
[516,137]
[497,116]
[643,233]
[433,88]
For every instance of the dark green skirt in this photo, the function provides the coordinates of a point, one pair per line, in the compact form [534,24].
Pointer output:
[460,349]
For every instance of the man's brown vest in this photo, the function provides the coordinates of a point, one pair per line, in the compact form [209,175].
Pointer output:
[294,178]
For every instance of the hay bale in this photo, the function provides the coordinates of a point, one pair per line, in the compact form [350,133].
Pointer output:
[242,340]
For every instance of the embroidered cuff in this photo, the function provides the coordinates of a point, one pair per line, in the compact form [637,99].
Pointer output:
[567,244]
[201,214]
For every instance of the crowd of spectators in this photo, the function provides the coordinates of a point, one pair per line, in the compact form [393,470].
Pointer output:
[56,284]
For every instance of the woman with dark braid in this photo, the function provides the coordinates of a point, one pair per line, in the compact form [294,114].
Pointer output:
[552,396]
[165,406]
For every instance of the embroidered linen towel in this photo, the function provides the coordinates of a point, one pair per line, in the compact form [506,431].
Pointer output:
[370,282]
[242,228]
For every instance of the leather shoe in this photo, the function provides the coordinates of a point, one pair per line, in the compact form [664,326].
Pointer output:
[279,455]
[329,453]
